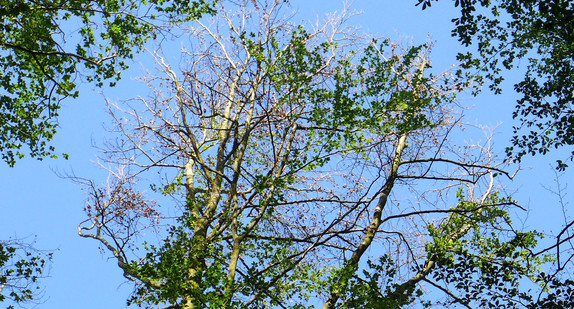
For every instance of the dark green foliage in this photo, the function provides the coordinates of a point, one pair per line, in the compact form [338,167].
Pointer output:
[540,34]
[45,46]
[21,268]
[560,295]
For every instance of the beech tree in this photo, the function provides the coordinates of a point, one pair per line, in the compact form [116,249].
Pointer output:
[307,166]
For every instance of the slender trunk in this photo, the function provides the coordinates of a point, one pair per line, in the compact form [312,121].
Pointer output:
[373,227]
[194,272]
[236,212]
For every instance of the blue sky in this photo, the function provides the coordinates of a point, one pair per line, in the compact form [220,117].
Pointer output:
[39,204]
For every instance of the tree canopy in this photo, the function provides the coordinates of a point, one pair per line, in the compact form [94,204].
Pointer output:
[309,167]
[539,33]
[47,46]
[290,165]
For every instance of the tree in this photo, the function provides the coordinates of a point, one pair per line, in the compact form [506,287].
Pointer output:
[507,32]
[21,267]
[46,45]
[302,167]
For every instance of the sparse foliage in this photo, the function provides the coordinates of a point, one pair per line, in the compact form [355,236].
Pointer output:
[304,166]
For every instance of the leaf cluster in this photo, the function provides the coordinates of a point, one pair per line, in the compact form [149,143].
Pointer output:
[536,32]
[45,46]
[21,268]
[487,265]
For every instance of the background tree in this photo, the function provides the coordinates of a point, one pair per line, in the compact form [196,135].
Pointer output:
[46,45]
[305,167]
[45,48]
[507,32]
